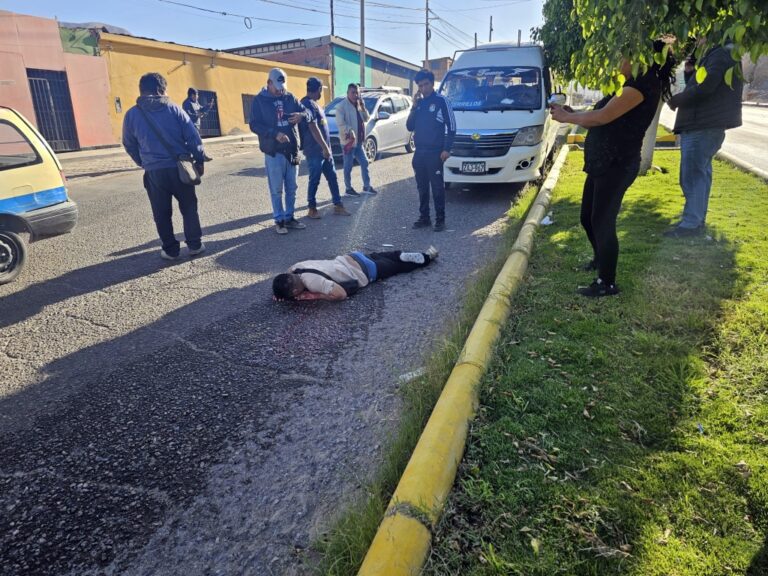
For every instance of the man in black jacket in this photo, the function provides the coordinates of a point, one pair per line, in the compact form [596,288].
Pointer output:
[434,128]
[275,115]
[705,110]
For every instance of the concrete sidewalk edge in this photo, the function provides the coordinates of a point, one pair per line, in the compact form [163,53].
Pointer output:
[402,542]
[743,164]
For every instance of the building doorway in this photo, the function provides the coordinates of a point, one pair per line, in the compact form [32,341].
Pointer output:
[53,108]
[209,125]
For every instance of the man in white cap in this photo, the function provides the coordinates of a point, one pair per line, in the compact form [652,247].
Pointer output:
[275,115]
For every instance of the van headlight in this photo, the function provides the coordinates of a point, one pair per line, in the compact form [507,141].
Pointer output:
[528,136]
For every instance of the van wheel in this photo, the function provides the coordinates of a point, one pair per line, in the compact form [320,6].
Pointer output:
[371,149]
[13,254]
[411,146]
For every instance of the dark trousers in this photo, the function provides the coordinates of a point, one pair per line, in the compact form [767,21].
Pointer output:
[600,204]
[428,169]
[389,263]
[319,166]
[162,186]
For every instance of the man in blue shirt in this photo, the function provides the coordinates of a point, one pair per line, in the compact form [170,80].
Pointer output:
[317,149]
[161,173]
[194,109]
[434,128]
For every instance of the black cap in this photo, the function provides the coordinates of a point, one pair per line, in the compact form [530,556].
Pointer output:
[191,91]
[314,84]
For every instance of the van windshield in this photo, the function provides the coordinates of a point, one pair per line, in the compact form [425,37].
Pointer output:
[498,88]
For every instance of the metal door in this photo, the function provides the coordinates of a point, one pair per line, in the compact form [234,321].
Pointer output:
[53,108]
[209,125]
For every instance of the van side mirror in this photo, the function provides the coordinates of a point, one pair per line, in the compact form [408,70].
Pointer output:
[383,115]
[557,99]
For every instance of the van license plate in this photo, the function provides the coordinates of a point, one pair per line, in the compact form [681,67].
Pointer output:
[473,167]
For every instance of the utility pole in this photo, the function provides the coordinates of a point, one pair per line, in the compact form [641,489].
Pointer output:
[490,31]
[362,42]
[332,27]
[426,37]
[475,39]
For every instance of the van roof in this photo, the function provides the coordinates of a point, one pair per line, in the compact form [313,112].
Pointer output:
[494,52]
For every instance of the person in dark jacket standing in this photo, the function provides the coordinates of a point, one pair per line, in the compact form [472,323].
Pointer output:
[704,112]
[161,174]
[617,126]
[317,149]
[275,115]
[194,109]
[434,127]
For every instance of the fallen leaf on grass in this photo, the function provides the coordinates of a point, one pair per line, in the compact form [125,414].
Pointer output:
[536,545]
[744,469]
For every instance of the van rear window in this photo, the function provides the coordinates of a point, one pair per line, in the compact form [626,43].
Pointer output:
[15,149]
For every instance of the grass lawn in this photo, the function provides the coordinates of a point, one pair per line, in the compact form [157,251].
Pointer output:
[660,131]
[627,435]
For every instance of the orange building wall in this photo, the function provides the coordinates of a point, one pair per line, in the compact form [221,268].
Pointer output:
[89,86]
[14,88]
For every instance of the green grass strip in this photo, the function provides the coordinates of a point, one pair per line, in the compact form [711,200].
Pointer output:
[341,551]
[626,435]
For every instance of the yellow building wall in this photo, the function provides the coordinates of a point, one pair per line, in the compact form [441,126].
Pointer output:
[229,75]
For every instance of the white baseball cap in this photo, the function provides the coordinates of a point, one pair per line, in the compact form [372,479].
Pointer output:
[278,77]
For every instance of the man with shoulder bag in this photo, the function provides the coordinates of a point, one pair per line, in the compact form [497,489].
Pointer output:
[159,136]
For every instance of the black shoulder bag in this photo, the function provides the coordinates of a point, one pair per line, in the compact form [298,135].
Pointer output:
[350,286]
[188,173]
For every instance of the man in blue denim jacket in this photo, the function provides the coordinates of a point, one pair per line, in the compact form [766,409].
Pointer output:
[161,174]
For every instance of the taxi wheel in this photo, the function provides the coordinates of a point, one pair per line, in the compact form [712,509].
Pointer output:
[371,149]
[411,146]
[13,254]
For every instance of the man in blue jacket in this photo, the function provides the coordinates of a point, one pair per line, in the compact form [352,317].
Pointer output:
[434,128]
[275,116]
[704,112]
[161,174]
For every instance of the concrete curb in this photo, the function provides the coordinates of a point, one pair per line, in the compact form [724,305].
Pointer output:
[738,162]
[402,541]
[68,157]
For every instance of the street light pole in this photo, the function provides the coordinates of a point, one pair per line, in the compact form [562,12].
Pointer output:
[426,37]
[362,42]
[332,27]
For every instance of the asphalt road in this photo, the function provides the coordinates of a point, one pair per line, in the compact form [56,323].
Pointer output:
[746,142]
[165,418]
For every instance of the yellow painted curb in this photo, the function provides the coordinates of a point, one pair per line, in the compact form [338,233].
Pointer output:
[402,541]
[579,138]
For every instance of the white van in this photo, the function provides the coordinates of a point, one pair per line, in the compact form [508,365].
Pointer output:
[499,93]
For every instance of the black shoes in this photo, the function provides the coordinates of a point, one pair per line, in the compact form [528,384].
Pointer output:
[680,232]
[439,226]
[352,192]
[421,223]
[598,289]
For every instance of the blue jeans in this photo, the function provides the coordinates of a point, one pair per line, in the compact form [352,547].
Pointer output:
[281,174]
[349,160]
[162,186]
[319,166]
[697,148]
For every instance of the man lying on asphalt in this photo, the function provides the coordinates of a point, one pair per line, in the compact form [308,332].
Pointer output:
[341,277]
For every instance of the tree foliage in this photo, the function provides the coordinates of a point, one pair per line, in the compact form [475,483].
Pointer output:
[602,32]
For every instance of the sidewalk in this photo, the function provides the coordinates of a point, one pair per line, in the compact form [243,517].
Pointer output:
[91,163]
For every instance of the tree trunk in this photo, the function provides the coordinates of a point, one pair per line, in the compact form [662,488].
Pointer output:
[649,142]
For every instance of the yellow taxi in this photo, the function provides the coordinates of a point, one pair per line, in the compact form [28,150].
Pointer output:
[34,203]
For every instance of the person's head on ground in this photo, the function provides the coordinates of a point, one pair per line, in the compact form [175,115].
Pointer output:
[353,92]
[314,88]
[153,84]
[287,286]
[425,80]
[276,82]
[192,94]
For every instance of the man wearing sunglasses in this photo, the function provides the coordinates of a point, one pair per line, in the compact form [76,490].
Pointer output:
[434,128]
[275,116]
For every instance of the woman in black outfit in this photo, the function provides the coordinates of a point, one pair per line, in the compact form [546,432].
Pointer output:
[617,125]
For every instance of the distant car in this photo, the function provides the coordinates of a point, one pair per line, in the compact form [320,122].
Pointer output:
[385,130]
[33,196]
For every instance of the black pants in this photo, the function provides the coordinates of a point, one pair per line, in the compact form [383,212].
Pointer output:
[600,204]
[162,187]
[428,169]
[389,263]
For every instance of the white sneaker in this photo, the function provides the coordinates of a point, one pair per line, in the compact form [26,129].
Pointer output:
[165,256]
[432,252]
[196,251]
[281,229]
[413,257]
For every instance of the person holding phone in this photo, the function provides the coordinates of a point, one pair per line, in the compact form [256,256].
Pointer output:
[351,119]
[434,128]
[617,125]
